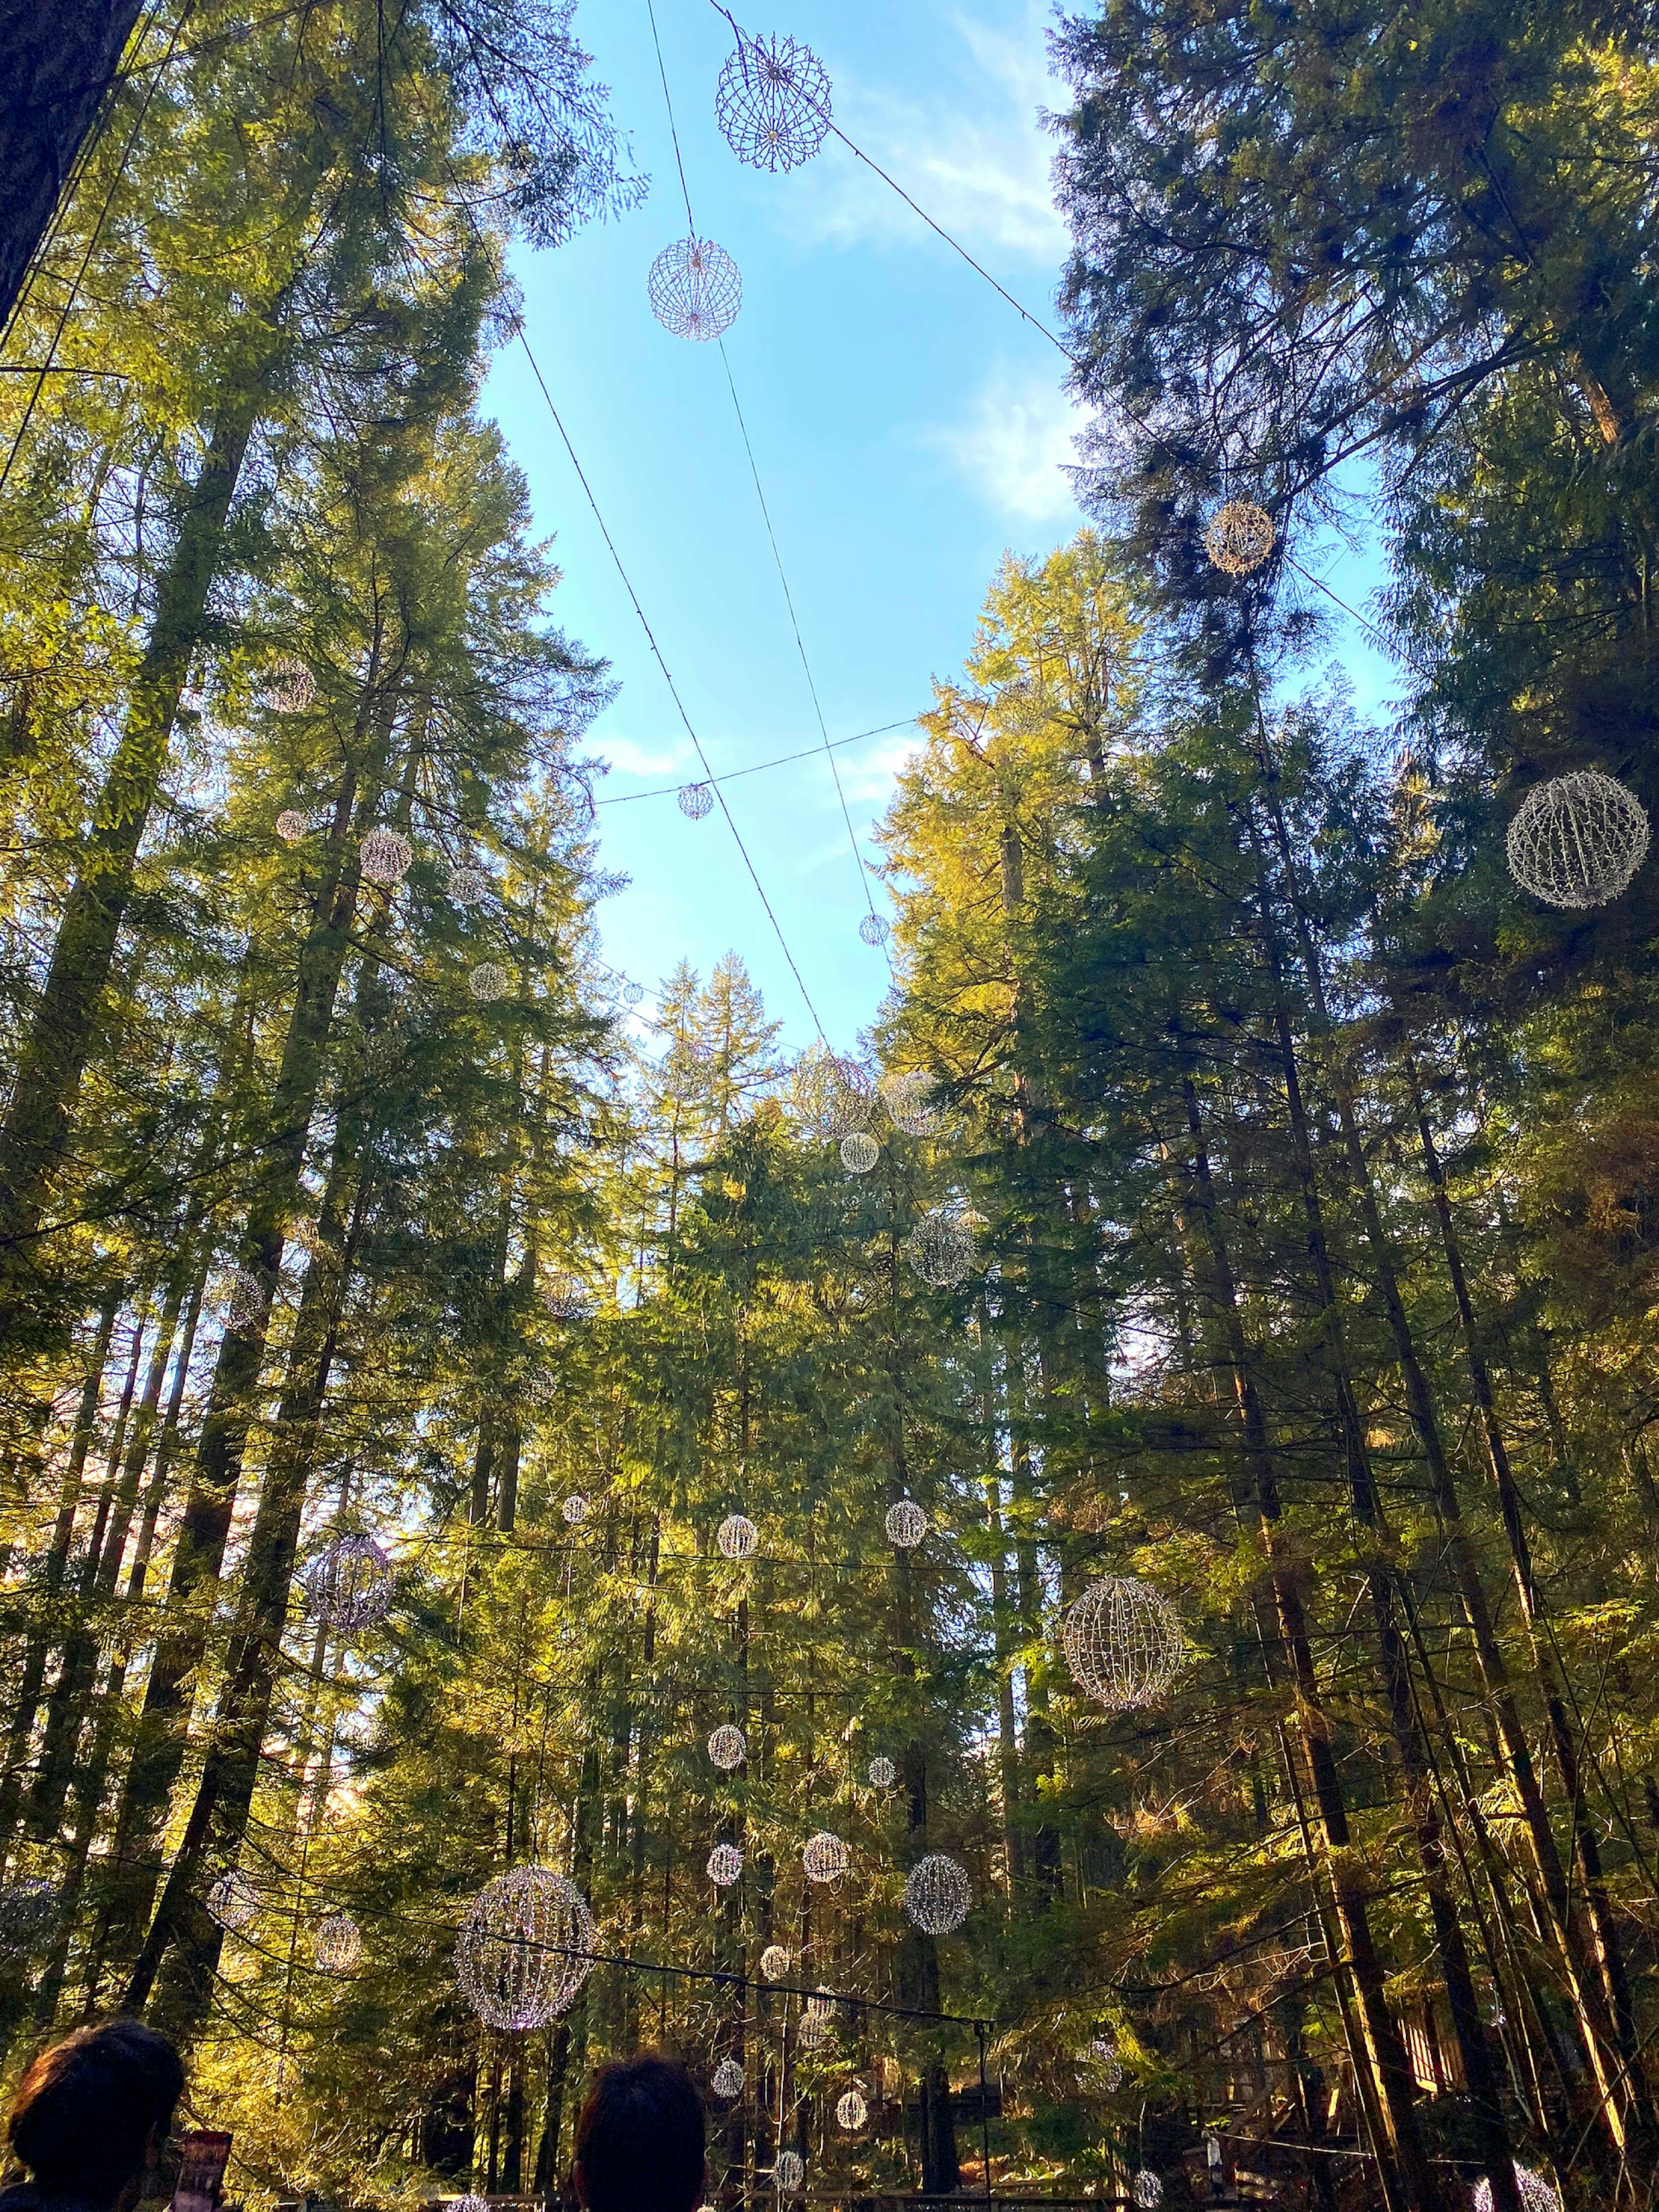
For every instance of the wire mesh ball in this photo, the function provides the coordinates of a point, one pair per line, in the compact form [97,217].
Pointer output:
[1240,537]
[468,2204]
[728,1747]
[859,1153]
[339,1944]
[940,1248]
[234,1901]
[696,292]
[349,1584]
[905,1524]
[28,1909]
[725,1865]
[816,2031]
[524,1948]
[1577,840]
[1148,2189]
[1534,2192]
[937,1894]
[728,2079]
[489,980]
[633,994]
[467,885]
[774,1962]
[906,1093]
[385,855]
[1123,1643]
[291,825]
[244,1313]
[875,929]
[882,1772]
[696,800]
[292,687]
[1101,2062]
[738,1536]
[772,102]
[789,2171]
[576,1509]
[825,1858]
[850,1097]
[851,2112]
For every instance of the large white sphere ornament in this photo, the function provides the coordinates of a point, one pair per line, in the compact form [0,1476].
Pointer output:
[725,1865]
[937,1894]
[1148,2189]
[1123,1643]
[576,1509]
[467,2204]
[738,1536]
[825,1858]
[1534,2192]
[789,2172]
[852,2111]
[772,102]
[248,1306]
[696,292]
[339,1944]
[817,2031]
[940,1248]
[487,981]
[1240,537]
[524,1948]
[727,1747]
[905,1524]
[233,1901]
[859,1153]
[906,1093]
[349,1584]
[1577,840]
[385,856]
[774,1962]
[1100,2063]
[467,885]
[292,687]
[883,1773]
[291,825]
[728,2079]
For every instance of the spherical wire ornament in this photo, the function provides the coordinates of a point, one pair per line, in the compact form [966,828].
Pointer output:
[349,1584]
[816,2031]
[825,1858]
[1148,2190]
[906,1093]
[291,825]
[385,856]
[940,1248]
[696,292]
[339,1944]
[738,1536]
[937,1894]
[487,981]
[1123,1643]
[1240,537]
[248,1306]
[467,885]
[1100,2063]
[875,929]
[859,1153]
[28,1912]
[1577,840]
[883,1773]
[1534,2192]
[292,687]
[728,1747]
[524,1948]
[233,1901]
[774,1962]
[469,2204]
[696,800]
[576,1509]
[851,2112]
[728,2079]
[772,103]
[725,1865]
[905,1524]
[789,2172]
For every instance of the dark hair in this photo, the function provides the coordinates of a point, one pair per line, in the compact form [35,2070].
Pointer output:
[640,2137]
[83,2113]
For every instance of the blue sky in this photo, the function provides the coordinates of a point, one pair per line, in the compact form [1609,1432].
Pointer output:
[908,428]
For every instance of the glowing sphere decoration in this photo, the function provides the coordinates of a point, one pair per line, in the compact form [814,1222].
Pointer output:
[29,1911]
[815,2031]
[725,1865]
[905,1524]
[728,2079]
[906,1093]
[940,1248]
[291,825]
[1101,2062]
[875,929]
[385,856]
[859,1153]
[487,981]
[851,2112]
[1534,2192]
[774,1962]
[576,1509]
[246,1312]
[1240,537]
[1148,2190]
[696,292]
[738,1536]
[825,1858]
[1577,840]
[467,885]
[292,687]
[524,1948]
[882,1772]
[233,1901]
[728,1747]
[349,1584]
[772,102]
[339,1944]
[789,2172]
[937,1894]
[1123,1643]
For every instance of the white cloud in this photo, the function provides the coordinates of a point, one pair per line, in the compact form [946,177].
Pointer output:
[1013,446]
[632,759]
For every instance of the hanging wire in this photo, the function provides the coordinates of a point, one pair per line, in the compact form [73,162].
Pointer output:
[784,760]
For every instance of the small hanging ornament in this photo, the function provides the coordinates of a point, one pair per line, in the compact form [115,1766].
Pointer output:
[467,885]
[1577,840]
[291,825]
[524,1949]
[772,102]
[349,1584]
[1534,2192]
[882,1772]
[774,1962]
[248,1308]
[789,2172]
[728,2079]
[576,1509]
[859,1153]
[1148,2189]
[1123,1643]
[233,1901]
[1240,537]
[851,2112]
[816,2032]
[633,994]
[875,929]
[696,292]
[937,1894]
[728,1747]
[1101,2064]
[489,980]
[725,1865]
[905,1524]
[29,1913]
[738,1536]
[385,856]
[292,687]
[696,800]
[940,1248]
[906,1093]
[339,1944]
[825,1858]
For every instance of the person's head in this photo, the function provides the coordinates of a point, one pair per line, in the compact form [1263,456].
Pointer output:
[91,2113]
[640,2140]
